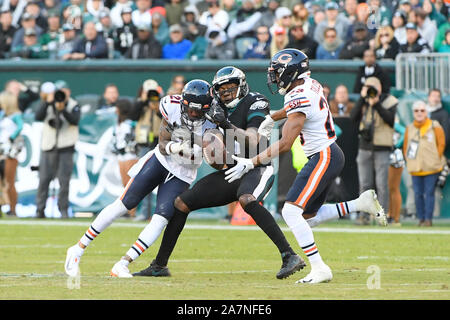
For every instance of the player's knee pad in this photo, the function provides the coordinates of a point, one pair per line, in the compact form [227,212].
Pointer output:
[292,214]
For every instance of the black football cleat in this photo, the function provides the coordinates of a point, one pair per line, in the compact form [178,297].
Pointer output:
[291,264]
[153,270]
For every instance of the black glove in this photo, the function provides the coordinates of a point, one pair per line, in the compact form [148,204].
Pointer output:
[216,114]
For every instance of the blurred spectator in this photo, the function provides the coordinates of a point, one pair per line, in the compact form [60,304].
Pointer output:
[123,144]
[434,14]
[424,148]
[72,14]
[268,13]
[160,28]
[174,11]
[176,85]
[414,43]
[178,46]
[28,22]
[362,18]
[7,31]
[142,14]
[231,7]
[11,124]
[246,20]
[146,113]
[386,46]
[340,105]
[399,21]
[117,11]
[219,46]
[189,22]
[355,47]
[350,7]
[126,33]
[299,40]
[332,19]
[300,15]
[198,48]
[371,69]
[30,49]
[215,17]
[317,18]
[261,48]
[441,37]
[51,39]
[25,95]
[33,8]
[405,6]
[444,47]
[16,7]
[380,14]
[60,115]
[104,25]
[91,46]
[109,98]
[279,41]
[145,46]
[437,112]
[331,46]
[68,41]
[426,27]
[50,5]
[374,114]
[93,10]
[283,19]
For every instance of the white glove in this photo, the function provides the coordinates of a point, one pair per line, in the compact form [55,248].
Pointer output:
[243,166]
[176,147]
[265,128]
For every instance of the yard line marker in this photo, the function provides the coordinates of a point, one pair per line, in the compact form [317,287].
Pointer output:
[141,225]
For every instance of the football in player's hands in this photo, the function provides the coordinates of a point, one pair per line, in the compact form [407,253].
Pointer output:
[214,151]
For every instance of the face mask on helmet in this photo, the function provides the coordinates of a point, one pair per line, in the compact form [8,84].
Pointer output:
[230,95]
[196,101]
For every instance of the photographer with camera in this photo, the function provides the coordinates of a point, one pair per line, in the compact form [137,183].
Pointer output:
[146,114]
[60,115]
[374,113]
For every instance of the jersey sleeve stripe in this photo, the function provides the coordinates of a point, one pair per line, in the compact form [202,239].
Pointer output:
[255,114]
[164,113]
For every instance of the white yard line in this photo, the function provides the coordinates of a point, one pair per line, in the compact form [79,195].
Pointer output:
[378,230]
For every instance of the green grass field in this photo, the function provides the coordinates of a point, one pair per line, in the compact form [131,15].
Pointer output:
[213,260]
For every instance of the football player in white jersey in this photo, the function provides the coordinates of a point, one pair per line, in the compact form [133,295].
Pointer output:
[171,166]
[308,117]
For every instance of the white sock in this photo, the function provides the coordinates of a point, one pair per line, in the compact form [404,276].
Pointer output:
[333,211]
[302,232]
[104,219]
[148,236]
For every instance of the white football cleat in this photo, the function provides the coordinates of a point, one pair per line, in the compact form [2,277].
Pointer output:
[318,275]
[120,270]
[368,202]
[73,257]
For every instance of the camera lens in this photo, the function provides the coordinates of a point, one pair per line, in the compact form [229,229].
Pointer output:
[60,96]
[372,92]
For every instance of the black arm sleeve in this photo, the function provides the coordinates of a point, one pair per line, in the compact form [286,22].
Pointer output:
[356,112]
[41,112]
[72,117]
[388,115]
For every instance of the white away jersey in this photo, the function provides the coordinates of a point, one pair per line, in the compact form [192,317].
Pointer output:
[170,109]
[318,129]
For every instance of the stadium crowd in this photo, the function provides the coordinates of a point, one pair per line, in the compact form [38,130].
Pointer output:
[229,29]
[213,29]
